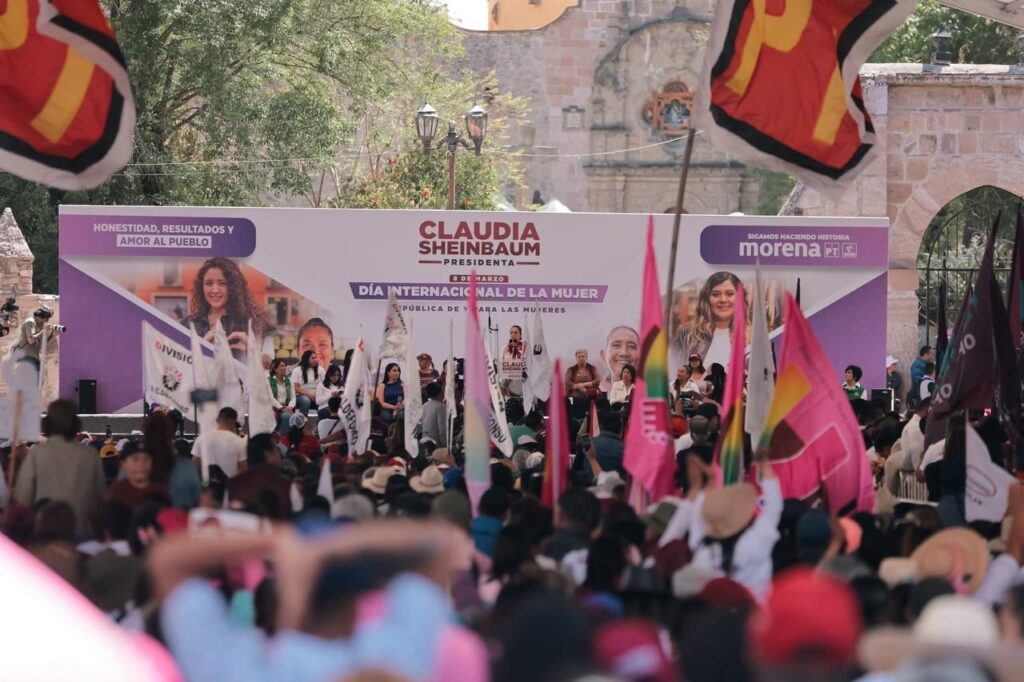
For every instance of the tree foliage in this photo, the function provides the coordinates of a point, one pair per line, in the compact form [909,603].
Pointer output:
[275,101]
[975,40]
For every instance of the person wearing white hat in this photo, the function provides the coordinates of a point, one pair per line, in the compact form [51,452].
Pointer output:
[893,379]
[430,482]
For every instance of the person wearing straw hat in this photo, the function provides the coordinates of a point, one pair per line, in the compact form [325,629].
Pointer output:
[429,482]
[730,539]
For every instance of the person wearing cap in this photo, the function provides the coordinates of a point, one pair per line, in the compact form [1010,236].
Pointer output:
[893,379]
[434,418]
[730,539]
[428,374]
[30,337]
[222,446]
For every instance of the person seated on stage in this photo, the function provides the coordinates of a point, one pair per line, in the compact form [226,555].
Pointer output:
[434,420]
[391,393]
[428,374]
[282,395]
[582,380]
[622,390]
[305,377]
[136,487]
[852,386]
[330,387]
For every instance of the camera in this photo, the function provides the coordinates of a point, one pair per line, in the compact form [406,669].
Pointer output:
[58,327]
[202,396]
[8,313]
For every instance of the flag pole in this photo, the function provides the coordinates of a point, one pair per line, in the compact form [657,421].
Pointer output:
[675,225]
[13,460]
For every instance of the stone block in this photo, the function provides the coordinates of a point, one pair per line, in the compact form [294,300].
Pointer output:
[967,143]
[991,121]
[903,280]
[1009,97]
[899,192]
[927,144]
[974,98]
[894,167]
[998,143]
[947,143]
[916,169]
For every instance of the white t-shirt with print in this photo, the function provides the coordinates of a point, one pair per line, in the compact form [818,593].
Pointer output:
[223,448]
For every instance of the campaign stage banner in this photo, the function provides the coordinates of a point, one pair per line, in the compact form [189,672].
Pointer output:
[316,280]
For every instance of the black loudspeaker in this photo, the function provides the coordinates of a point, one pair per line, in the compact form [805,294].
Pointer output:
[884,398]
[86,390]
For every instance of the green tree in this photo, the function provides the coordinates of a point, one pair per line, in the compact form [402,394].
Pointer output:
[248,103]
[975,40]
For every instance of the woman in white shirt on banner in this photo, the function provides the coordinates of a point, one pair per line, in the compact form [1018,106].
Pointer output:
[327,389]
[709,334]
[622,390]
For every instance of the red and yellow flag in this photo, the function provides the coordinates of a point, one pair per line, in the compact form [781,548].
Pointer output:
[781,87]
[68,115]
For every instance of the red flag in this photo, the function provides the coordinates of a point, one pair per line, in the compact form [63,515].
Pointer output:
[649,455]
[68,115]
[780,83]
[556,464]
[729,449]
[814,441]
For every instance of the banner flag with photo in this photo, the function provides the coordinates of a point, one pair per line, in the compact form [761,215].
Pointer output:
[229,385]
[257,390]
[355,381]
[476,420]
[167,371]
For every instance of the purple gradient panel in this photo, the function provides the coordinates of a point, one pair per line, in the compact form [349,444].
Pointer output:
[853,332]
[103,340]
[107,235]
[845,247]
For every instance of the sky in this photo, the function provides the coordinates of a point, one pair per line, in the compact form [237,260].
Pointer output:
[468,13]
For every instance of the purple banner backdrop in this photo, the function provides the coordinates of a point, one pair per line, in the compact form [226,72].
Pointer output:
[103,235]
[432,291]
[851,247]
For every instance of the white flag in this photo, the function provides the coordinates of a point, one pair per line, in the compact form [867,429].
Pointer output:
[413,401]
[396,335]
[229,387]
[21,408]
[167,373]
[539,377]
[988,486]
[202,380]
[761,372]
[325,486]
[350,397]
[500,435]
[257,389]
[450,401]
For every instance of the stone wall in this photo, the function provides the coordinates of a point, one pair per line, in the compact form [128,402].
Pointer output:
[942,131]
[588,75]
[16,261]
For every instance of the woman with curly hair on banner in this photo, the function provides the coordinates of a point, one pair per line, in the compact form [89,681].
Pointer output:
[220,292]
[709,333]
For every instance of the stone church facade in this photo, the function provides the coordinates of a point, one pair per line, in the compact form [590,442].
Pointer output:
[603,77]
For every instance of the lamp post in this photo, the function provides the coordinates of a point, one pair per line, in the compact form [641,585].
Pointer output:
[940,41]
[426,128]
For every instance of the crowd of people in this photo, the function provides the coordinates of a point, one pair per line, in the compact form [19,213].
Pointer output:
[287,555]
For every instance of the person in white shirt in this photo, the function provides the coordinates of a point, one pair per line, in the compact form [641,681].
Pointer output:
[927,387]
[622,389]
[912,439]
[330,429]
[330,387]
[222,447]
[305,377]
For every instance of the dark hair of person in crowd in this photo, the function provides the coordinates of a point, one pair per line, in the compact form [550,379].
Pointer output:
[346,363]
[494,502]
[546,636]
[55,521]
[432,390]
[501,477]
[511,550]
[158,437]
[532,420]
[855,370]
[62,420]
[610,422]
[579,508]
[257,447]
[330,373]
[924,351]
[305,366]
[929,368]
[228,414]
[873,597]
[606,561]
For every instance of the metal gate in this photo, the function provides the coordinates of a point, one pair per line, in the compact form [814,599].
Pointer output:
[951,252]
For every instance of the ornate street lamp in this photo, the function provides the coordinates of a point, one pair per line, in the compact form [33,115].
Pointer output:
[426,125]
[941,40]
[426,128]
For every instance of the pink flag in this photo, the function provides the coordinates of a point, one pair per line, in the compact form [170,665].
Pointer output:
[814,442]
[592,424]
[556,465]
[729,450]
[476,441]
[649,457]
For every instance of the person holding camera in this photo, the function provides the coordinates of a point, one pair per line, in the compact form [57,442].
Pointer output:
[33,331]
